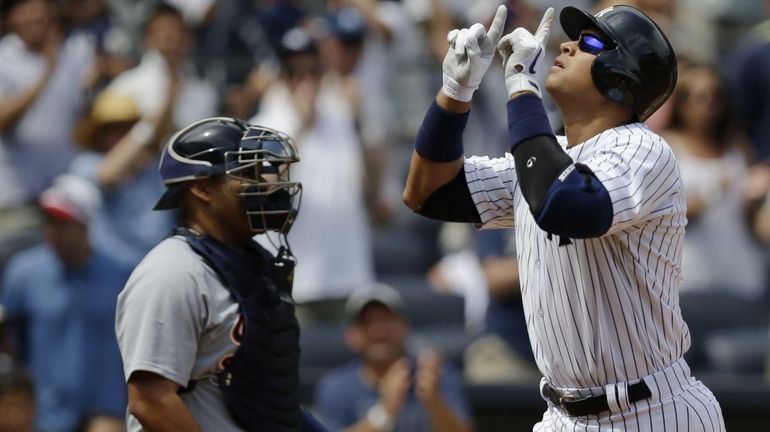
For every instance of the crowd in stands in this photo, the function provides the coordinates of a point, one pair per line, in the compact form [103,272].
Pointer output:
[91,89]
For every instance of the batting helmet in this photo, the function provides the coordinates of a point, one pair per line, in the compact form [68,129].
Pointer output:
[256,156]
[639,68]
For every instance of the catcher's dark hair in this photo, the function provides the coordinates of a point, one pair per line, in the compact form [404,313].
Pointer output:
[16,379]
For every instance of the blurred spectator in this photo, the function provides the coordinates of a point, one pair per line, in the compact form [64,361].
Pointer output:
[92,19]
[331,235]
[385,389]
[749,71]
[719,251]
[121,157]
[503,352]
[341,47]
[389,70]
[41,91]
[682,22]
[17,401]
[165,67]
[60,300]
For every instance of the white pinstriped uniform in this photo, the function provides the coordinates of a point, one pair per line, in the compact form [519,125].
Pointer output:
[605,310]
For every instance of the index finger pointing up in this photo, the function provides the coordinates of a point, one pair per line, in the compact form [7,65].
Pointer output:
[545,26]
[496,29]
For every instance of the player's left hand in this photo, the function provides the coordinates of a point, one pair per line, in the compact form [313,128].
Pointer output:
[522,53]
[470,53]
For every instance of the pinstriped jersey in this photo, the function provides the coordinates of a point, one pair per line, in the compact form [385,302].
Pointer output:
[599,310]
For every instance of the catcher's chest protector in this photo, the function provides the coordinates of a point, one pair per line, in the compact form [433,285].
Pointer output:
[260,381]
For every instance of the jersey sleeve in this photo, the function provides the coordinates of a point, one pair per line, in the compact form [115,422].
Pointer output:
[492,184]
[641,175]
[160,316]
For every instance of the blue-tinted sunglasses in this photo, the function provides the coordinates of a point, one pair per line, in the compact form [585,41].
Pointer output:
[591,44]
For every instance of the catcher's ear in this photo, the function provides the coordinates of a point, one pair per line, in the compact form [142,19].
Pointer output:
[354,339]
[202,189]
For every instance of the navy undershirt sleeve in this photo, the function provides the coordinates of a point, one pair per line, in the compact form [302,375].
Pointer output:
[440,138]
[452,202]
[565,198]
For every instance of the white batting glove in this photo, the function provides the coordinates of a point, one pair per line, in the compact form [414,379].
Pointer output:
[469,56]
[522,53]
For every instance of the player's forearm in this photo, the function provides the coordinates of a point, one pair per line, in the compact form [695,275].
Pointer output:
[443,418]
[438,157]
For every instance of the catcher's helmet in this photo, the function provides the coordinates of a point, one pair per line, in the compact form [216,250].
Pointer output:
[639,68]
[256,156]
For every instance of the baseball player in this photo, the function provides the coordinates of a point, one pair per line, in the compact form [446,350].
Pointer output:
[206,323]
[599,214]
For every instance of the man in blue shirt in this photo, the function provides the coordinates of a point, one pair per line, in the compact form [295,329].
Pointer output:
[60,299]
[385,389]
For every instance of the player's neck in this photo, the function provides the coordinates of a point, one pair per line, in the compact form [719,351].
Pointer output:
[581,124]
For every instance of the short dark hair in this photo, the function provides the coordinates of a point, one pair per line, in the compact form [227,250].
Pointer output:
[15,380]
[6,6]
[163,9]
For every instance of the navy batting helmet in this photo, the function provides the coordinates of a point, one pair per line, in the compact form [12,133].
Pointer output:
[638,69]
[256,156]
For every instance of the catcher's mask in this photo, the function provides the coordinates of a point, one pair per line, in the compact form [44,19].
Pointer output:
[258,157]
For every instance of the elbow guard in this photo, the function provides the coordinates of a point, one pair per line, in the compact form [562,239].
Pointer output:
[577,205]
[566,199]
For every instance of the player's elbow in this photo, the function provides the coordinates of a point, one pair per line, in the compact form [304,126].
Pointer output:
[411,199]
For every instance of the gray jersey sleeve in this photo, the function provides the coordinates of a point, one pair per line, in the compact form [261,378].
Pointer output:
[162,312]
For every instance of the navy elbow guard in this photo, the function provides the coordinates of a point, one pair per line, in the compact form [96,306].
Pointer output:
[577,205]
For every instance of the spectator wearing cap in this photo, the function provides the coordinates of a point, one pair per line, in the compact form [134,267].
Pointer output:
[59,298]
[305,103]
[121,157]
[385,389]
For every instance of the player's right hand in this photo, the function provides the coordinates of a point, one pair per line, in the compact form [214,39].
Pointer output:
[522,53]
[470,53]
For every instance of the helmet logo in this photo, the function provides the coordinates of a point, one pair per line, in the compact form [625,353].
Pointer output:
[615,94]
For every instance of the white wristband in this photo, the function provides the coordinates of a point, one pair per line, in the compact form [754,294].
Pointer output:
[522,82]
[457,91]
[379,418]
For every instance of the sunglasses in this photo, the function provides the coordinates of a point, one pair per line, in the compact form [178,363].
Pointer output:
[591,44]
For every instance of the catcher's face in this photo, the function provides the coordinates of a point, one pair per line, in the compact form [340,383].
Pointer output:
[227,205]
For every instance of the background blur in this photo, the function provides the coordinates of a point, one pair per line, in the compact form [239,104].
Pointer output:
[91,89]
